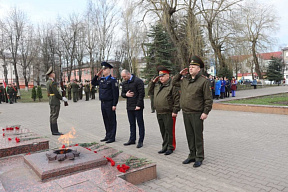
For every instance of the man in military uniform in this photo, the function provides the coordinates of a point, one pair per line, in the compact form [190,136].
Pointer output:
[166,102]
[109,95]
[196,103]
[15,92]
[10,92]
[87,90]
[93,91]
[75,87]
[1,92]
[80,91]
[69,90]
[54,101]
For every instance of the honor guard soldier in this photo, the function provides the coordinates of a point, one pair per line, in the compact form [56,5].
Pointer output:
[69,90]
[196,103]
[10,92]
[75,87]
[87,89]
[93,91]
[80,90]
[166,103]
[109,95]
[54,101]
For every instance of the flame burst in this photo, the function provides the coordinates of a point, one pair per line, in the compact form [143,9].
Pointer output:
[65,139]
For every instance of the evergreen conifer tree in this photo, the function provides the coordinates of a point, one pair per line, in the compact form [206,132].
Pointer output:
[274,72]
[39,93]
[34,93]
[160,51]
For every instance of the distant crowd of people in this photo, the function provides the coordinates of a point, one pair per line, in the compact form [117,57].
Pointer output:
[221,87]
[8,95]
[75,88]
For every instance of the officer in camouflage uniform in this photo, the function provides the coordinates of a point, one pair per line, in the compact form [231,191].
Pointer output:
[54,101]
[196,103]
[166,103]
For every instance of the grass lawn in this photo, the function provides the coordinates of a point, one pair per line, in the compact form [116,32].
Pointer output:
[278,99]
[26,96]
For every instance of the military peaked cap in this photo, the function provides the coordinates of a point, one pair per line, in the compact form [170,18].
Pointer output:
[195,60]
[50,70]
[106,65]
[162,70]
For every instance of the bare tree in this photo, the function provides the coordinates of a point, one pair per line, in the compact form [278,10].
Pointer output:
[257,22]
[217,16]
[3,50]
[15,24]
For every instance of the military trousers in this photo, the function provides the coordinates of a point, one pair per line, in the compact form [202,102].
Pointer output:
[75,96]
[165,122]
[87,96]
[109,118]
[54,113]
[69,95]
[194,133]
[152,103]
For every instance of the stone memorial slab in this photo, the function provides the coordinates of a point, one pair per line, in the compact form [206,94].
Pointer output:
[46,169]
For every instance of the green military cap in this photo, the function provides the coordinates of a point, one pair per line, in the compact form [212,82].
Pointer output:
[195,60]
[50,70]
[162,70]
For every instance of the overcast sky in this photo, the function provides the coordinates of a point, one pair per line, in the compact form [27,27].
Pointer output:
[48,10]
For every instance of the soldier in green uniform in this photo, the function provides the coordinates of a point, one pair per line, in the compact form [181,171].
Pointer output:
[93,91]
[54,101]
[151,96]
[75,87]
[1,92]
[87,90]
[10,92]
[196,103]
[166,103]
[80,91]
[15,92]
[69,90]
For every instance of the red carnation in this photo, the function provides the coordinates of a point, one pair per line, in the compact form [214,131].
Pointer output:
[76,145]
[9,139]
[3,134]
[95,151]
[111,161]
[17,128]
[3,129]
[63,146]
[7,128]
[17,140]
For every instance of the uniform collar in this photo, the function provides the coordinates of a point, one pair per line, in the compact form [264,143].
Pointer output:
[107,77]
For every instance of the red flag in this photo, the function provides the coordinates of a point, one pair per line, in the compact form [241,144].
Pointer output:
[4,83]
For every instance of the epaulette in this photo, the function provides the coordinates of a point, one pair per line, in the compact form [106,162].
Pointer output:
[204,76]
[113,77]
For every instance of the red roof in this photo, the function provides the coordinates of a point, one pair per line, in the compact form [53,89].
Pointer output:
[267,56]
[264,56]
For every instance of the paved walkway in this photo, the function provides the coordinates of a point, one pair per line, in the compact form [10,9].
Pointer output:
[244,151]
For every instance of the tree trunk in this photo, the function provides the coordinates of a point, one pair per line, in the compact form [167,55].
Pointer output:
[255,60]
[16,75]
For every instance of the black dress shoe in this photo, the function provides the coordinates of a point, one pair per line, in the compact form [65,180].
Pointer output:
[162,151]
[187,161]
[129,143]
[197,164]
[110,141]
[140,144]
[57,133]
[168,152]
[105,139]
